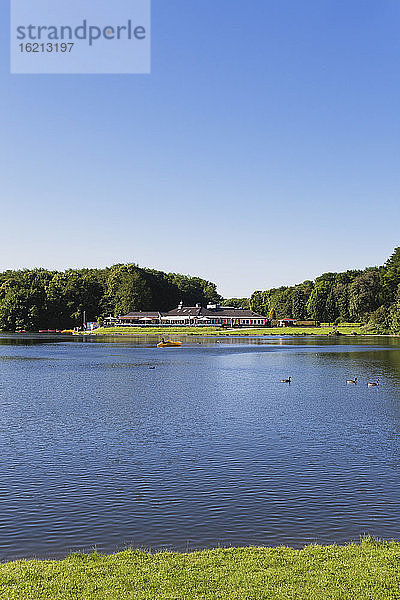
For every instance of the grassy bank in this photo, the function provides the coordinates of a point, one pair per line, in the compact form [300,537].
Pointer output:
[367,571]
[167,331]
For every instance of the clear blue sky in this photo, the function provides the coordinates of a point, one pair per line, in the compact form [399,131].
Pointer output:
[263,149]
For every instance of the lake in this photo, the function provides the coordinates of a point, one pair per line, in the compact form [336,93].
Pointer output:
[109,443]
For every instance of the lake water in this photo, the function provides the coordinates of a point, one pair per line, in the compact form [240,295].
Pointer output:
[100,449]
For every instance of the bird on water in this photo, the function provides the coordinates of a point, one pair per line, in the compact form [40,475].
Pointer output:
[352,380]
[286,380]
[373,383]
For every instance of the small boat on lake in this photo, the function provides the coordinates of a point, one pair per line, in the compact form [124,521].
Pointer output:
[168,344]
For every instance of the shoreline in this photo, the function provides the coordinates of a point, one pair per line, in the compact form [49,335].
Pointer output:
[368,569]
[220,332]
[256,332]
[186,332]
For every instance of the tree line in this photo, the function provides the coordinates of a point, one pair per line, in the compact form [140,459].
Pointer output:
[42,299]
[370,296]
[33,299]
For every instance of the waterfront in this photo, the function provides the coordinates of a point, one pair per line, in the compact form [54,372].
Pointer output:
[208,448]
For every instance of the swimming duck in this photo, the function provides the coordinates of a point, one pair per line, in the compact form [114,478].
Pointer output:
[373,383]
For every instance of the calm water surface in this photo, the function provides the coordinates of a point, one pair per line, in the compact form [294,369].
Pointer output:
[98,448]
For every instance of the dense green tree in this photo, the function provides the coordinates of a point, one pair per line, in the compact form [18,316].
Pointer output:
[341,292]
[364,294]
[381,320]
[127,289]
[390,276]
[281,300]
[37,298]
[299,303]
[316,305]
[236,302]
[353,295]
[40,299]
[257,303]
[23,301]
[331,308]
[72,294]
[394,319]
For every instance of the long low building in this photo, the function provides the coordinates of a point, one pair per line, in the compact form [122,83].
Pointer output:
[141,318]
[212,315]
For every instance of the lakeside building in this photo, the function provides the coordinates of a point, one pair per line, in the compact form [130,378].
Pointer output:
[212,315]
[140,317]
[286,322]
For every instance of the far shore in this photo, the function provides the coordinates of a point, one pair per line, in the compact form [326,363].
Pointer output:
[166,332]
[221,332]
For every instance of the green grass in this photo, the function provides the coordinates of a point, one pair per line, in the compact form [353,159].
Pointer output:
[343,324]
[161,331]
[369,571]
[167,331]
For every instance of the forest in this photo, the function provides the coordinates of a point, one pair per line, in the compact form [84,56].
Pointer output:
[41,299]
[370,296]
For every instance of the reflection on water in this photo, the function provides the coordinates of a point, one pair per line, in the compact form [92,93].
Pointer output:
[113,444]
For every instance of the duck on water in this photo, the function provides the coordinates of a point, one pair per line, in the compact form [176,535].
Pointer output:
[373,383]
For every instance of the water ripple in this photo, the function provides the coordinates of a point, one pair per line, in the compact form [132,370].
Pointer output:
[207,448]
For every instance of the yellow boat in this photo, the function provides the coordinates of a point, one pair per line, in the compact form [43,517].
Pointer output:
[168,344]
